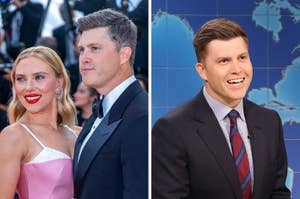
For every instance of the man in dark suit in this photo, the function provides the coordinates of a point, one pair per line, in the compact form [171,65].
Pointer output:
[89,6]
[111,152]
[22,25]
[219,145]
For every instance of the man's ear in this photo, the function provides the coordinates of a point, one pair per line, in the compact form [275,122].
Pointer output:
[125,53]
[201,69]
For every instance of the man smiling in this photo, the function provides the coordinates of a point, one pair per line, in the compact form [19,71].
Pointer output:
[218,144]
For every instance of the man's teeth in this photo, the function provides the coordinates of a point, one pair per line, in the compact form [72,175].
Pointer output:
[236,81]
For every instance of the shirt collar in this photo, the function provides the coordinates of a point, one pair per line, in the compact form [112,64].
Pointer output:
[114,94]
[220,110]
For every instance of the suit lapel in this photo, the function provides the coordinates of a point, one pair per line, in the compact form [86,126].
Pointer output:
[211,133]
[95,143]
[86,129]
[106,128]
[257,144]
[119,107]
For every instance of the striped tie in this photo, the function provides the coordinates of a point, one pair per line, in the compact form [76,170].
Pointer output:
[240,155]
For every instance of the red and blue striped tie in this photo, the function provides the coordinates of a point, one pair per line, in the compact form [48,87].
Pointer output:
[240,155]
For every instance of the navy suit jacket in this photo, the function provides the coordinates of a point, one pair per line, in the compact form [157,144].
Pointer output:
[114,162]
[191,158]
[32,15]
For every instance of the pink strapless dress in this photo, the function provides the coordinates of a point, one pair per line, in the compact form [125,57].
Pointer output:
[50,179]
[48,176]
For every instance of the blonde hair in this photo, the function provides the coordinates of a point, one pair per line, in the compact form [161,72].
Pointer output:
[66,108]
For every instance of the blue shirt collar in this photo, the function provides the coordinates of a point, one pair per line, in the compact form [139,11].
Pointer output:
[220,110]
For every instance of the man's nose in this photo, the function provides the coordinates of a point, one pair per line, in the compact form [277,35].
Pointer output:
[84,57]
[236,66]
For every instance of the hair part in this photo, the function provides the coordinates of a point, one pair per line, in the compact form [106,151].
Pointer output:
[122,31]
[220,29]
[66,108]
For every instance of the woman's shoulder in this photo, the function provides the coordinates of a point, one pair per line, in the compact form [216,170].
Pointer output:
[12,131]
[12,138]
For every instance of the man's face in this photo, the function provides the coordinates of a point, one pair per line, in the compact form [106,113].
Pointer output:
[99,61]
[226,70]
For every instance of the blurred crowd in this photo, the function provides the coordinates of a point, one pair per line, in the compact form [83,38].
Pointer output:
[22,27]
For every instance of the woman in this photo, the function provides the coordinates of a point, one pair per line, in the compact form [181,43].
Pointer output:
[36,149]
[83,99]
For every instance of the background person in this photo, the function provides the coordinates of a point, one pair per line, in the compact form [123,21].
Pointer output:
[84,98]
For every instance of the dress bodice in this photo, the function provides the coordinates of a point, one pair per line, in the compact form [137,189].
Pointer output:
[47,176]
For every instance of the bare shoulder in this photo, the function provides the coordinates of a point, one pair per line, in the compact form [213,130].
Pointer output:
[12,133]
[13,149]
[12,139]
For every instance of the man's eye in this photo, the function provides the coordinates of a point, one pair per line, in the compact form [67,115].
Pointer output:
[81,50]
[244,57]
[223,61]
[95,48]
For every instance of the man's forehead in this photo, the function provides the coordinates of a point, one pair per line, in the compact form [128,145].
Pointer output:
[93,36]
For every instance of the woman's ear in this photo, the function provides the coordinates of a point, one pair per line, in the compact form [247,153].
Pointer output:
[59,88]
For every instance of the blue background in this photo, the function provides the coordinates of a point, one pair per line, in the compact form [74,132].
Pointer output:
[273,29]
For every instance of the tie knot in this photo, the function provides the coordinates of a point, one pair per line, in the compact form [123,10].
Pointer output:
[233,114]
[97,108]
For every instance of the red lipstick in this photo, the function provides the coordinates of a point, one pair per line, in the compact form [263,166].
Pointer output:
[32,98]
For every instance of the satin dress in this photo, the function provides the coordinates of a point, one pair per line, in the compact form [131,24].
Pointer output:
[47,176]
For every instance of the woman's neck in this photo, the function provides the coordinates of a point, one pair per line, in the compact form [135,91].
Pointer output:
[40,119]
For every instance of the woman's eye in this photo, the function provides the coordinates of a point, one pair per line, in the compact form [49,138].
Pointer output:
[39,77]
[20,79]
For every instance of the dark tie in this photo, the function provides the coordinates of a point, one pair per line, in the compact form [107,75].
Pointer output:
[97,108]
[240,155]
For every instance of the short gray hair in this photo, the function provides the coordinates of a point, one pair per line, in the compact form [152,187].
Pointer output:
[120,28]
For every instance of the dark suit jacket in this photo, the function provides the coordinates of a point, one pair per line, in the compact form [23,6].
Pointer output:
[140,18]
[114,162]
[59,34]
[32,16]
[89,6]
[191,158]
